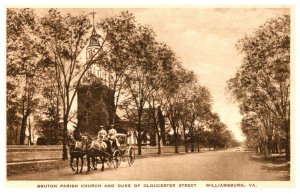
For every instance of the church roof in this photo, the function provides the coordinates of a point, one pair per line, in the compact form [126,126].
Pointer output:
[94,38]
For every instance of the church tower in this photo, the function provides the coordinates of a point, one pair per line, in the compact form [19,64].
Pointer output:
[95,99]
[92,51]
[93,46]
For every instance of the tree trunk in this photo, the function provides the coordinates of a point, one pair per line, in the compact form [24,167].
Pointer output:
[158,138]
[112,115]
[270,145]
[279,146]
[176,141]
[29,130]
[158,144]
[65,130]
[286,127]
[192,144]
[139,130]
[23,129]
[16,137]
[139,136]
[266,151]
[57,117]
[139,143]
[185,141]
[157,129]
[161,121]
[287,148]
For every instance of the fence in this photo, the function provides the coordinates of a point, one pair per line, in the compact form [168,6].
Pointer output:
[25,153]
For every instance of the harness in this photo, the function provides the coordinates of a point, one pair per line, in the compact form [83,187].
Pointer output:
[99,145]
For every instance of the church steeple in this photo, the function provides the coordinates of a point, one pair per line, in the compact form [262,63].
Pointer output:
[92,52]
[94,36]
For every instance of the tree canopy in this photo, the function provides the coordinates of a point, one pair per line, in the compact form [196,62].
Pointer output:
[262,83]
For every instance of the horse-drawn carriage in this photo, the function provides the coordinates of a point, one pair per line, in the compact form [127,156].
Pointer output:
[124,152]
[94,149]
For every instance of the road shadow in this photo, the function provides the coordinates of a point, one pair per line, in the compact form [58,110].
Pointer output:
[35,167]
[275,163]
[155,155]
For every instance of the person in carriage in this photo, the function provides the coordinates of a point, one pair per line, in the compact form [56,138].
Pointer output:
[113,141]
[106,141]
[100,142]
[102,134]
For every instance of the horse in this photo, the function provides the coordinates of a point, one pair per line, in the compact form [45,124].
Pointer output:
[77,150]
[98,148]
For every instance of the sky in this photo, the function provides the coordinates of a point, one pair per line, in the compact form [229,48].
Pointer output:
[204,39]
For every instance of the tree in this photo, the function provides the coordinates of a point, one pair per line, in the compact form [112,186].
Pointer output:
[178,79]
[196,105]
[66,37]
[198,134]
[262,83]
[250,127]
[163,60]
[217,128]
[120,31]
[136,82]
[49,119]
[25,55]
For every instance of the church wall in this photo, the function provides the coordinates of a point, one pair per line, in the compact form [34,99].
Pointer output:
[95,107]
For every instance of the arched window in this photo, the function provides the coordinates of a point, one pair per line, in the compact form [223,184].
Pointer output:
[95,51]
[90,54]
[93,69]
[89,71]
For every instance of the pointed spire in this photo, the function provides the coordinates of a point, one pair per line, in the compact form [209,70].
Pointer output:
[94,36]
[93,18]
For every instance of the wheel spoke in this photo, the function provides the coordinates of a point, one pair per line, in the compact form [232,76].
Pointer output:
[131,156]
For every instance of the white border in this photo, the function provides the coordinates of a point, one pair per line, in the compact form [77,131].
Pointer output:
[139,3]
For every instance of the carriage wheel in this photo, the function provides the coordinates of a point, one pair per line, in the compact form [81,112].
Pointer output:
[131,156]
[109,163]
[108,160]
[116,159]
[95,163]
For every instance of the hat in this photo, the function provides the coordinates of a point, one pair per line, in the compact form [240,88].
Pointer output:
[101,126]
[112,125]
